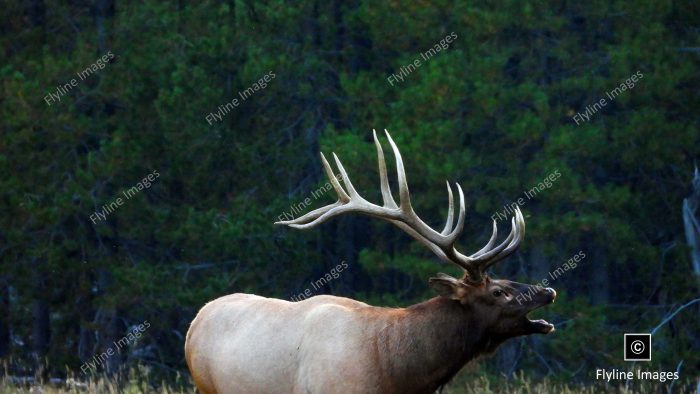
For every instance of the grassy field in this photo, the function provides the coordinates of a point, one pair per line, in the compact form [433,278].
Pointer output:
[524,385]
[140,381]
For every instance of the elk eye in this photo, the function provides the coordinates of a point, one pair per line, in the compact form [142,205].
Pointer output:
[498,293]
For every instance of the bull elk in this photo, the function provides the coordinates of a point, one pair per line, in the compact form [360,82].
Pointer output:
[244,343]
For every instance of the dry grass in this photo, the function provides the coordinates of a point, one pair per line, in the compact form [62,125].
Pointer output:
[524,385]
[139,380]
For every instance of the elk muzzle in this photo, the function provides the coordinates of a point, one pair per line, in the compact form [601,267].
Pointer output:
[537,297]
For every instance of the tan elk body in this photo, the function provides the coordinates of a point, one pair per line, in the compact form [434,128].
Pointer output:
[244,343]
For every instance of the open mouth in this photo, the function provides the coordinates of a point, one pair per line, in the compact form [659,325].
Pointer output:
[540,325]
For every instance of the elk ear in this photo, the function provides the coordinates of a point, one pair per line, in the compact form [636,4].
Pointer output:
[448,286]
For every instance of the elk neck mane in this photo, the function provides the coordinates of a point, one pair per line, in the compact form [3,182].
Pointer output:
[453,333]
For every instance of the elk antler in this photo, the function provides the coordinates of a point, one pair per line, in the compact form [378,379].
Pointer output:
[403,216]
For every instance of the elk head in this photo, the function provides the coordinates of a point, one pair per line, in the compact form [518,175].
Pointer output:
[501,306]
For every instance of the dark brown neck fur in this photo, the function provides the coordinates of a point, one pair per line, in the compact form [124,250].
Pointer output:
[429,343]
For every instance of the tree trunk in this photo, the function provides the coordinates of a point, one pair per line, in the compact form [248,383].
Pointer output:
[4,319]
[103,11]
[41,333]
[36,9]
[600,290]
[107,321]
[691,222]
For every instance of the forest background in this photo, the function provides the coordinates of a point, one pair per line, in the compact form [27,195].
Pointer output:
[510,100]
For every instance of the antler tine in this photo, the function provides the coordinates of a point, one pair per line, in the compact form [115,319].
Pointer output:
[404,195]
[342,196]
[489,254]
[518,224]
[312,218]
[452,237]
[346,179]
[308,220]
[412,219]
[450,211]
[384,181]
[488,257]
[489,245]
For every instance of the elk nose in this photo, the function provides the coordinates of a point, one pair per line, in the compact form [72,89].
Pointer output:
[550,292]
